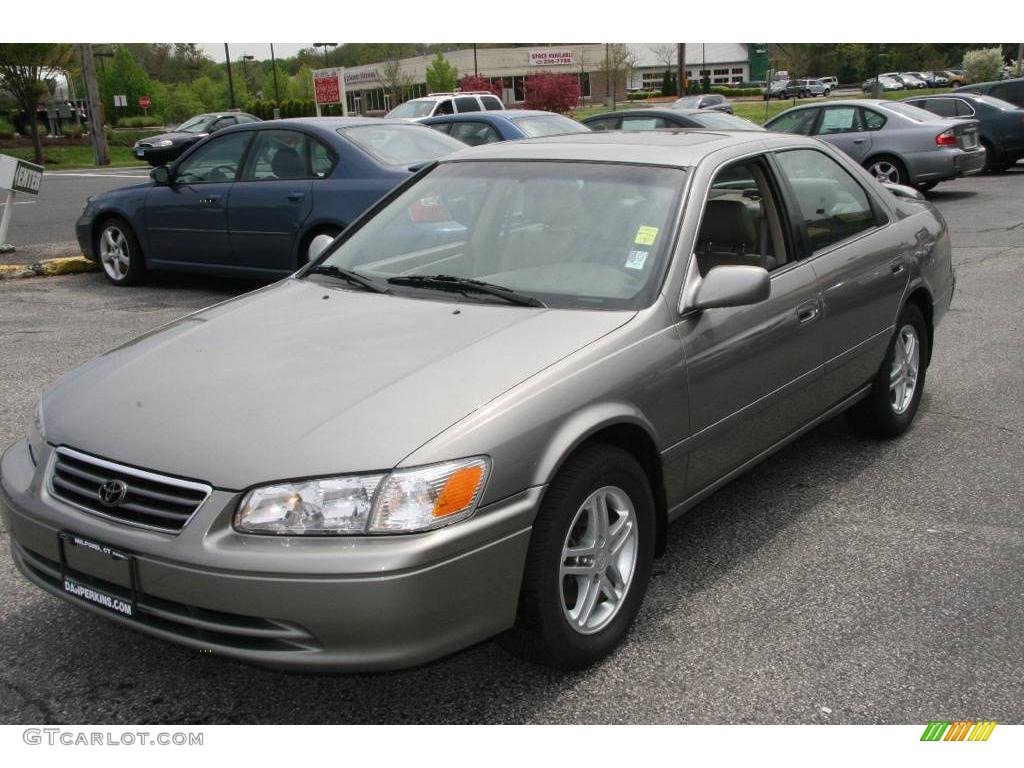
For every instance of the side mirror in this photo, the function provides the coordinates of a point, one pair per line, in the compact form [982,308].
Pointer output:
[903,191]
[161,176]
[732,285]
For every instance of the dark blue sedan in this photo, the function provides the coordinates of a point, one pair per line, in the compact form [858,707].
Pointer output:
[257,200]
[475,128]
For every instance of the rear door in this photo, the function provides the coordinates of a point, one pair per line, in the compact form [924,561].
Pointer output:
[271,201]
[187,221]
[842,127]
[861,271]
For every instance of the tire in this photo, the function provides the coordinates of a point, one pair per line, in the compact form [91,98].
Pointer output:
[321,237]
[826,92]
[991,164]
[888,169]
[119,253]
[888,410]
[557,623]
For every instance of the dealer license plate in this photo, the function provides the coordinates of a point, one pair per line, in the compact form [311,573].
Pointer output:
[84,562]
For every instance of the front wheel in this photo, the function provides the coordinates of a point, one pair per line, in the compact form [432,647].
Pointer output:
[589,561]
[826,92]
[119,253]
[895,393]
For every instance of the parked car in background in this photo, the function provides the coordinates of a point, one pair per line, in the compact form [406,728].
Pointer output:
[831,82]
[803,89]
[909,80]
[956,77]
[652,119]
[714,101]
[774,89]
[507,125]
[165,147]
[933,79]
[1001,124]
[888,84]
[1011,90]
[898,143]
[404,449]
[447,104]
[256,200]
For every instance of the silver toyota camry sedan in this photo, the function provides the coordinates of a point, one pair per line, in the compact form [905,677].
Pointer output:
[476,413]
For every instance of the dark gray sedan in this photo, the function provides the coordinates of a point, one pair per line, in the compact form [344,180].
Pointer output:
[898,143]
[410,446]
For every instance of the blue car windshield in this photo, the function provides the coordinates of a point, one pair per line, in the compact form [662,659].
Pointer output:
[401,143]
[548,125]
[570,234]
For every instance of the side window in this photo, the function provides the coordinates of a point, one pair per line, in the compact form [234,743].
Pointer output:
[963,109]
[606,124]
[741,222]
[444,108]
[942,107]
[467,104]
[223,122]
[321,159]
[442,127]
[216,160]
[277,155]
[491,102]
[872,120]
[839,120]
[801,122]
[832,205]
[475,133]
[643,123]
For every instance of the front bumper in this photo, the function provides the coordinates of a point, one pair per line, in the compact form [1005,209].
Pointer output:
[339,603]
[83,232]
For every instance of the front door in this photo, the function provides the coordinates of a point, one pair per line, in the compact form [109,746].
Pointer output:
[842,127]
[752,370]
[187,221]
[271,201]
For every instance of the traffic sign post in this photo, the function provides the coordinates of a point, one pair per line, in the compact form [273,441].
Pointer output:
[144,102]
[15,176]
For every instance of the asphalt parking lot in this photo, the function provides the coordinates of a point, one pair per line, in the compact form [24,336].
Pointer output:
[843,581]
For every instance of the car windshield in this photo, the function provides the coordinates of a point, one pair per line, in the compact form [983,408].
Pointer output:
[401,143]
[914,113]
[575,235]
[723,121]
[548,125]
[413,108]
[687,102]
[198,124]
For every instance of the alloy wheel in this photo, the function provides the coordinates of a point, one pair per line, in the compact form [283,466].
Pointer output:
[598,560]
[906,360]
[114,253]
[885,172]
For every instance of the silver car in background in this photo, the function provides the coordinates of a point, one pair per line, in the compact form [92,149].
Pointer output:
[897,142]
[479,410]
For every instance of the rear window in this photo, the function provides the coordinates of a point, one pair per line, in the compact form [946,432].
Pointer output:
[467,104]
[914,113]
[414,108]
[492,102]
[401,143]
[548,125]
[992,101]
[723,121]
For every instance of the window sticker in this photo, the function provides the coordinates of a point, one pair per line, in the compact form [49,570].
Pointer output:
[637,258]
[646,235]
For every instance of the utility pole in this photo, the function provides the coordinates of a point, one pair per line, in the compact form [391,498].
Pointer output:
[476,71]
[608,77]
[100,151]
[681,68]
[1020,58]
[277,96]
[231,83]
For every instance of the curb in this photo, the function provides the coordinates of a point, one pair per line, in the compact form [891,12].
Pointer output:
[48,268]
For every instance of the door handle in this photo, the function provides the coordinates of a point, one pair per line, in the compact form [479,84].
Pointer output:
[858,141]
[897,267]
[807,311]
[210,199]
[296,197]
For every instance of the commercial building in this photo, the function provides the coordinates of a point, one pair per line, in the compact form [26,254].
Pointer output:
[369,89]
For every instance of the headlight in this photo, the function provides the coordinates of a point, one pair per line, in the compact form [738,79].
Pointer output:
[37,434]
[403,501]
[163,143]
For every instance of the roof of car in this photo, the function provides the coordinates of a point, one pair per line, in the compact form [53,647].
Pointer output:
[653,111]
[497,114]
[682,148]
[988,83]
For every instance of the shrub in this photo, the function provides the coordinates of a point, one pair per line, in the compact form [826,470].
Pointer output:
[475,83]
[983,64]
[669,86]
[73,131]
[139,121]
[554,93]
[641,95]
[6,129]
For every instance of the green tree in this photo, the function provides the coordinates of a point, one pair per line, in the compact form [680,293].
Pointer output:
[300,85]
[442,77]
[984,64]
[24,70]
[124,75]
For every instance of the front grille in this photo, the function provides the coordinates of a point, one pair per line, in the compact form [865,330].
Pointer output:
[186,622]
[148,500]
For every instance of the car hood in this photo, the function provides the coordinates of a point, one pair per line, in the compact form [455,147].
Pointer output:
[298,380]
[177,137]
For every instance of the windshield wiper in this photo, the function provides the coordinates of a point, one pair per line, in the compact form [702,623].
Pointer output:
[461,284]
[352,277]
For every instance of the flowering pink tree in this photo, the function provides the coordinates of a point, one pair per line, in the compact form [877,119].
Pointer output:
[554,93]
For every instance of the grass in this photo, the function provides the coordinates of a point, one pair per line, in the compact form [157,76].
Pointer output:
[69,158]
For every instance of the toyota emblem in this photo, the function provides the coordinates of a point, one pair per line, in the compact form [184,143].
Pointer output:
[112,492]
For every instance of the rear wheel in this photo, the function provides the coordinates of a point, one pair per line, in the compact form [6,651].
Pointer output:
[826,92]
[888,170]
[588,563]
[119,253]
[895,393]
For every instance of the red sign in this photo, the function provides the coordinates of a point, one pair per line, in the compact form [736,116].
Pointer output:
[326,86]
[144,102]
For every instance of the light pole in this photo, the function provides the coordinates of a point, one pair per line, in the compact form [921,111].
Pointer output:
[245,72]
[277,96]
[325,46]
[231,82]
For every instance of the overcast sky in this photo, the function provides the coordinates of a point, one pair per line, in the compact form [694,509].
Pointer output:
[259,50]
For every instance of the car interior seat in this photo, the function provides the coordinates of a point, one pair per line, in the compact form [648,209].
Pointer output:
[287,163]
